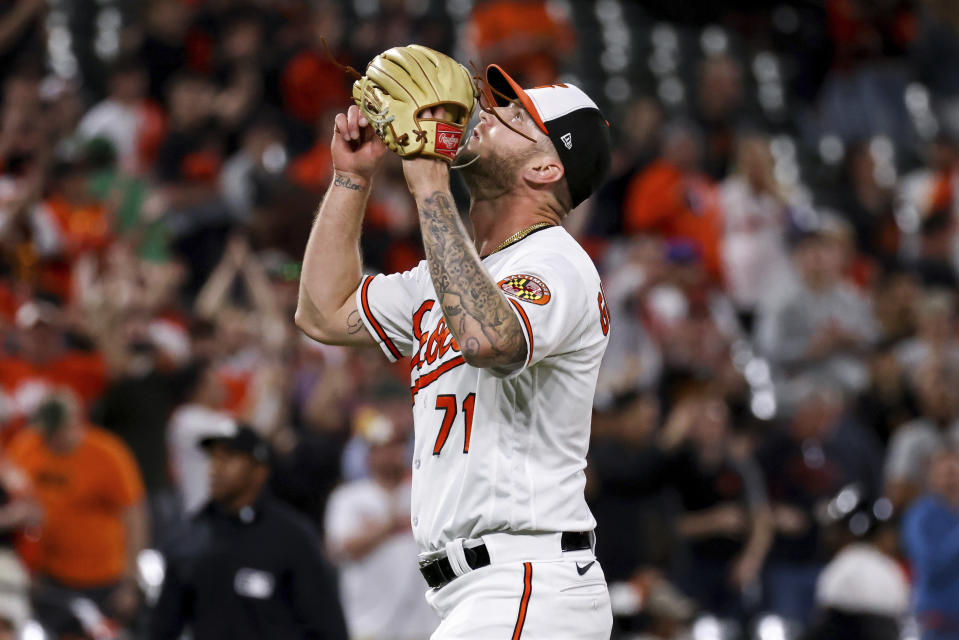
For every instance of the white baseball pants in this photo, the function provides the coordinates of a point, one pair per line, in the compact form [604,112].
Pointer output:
[530,591]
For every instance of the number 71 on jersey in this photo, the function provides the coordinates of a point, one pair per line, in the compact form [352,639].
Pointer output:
[448,405]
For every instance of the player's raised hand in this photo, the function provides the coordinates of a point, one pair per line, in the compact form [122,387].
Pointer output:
[426,174]
[356,148]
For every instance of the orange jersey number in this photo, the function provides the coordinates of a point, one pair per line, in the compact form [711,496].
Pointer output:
[447,404]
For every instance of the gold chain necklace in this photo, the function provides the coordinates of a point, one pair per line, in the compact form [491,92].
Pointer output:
[519,235]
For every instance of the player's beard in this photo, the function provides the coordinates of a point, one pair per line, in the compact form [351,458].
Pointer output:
[488,175]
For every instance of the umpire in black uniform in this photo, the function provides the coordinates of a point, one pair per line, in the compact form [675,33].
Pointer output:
[246,566]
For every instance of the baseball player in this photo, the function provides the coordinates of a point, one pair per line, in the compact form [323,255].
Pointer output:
[505,333]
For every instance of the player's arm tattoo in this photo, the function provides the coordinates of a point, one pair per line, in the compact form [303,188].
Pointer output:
[344,181]
[476,310]
[353,322]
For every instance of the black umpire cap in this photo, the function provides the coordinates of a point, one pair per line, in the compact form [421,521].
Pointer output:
[241,438]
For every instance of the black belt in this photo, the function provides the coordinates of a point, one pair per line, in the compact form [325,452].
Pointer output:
[439,572]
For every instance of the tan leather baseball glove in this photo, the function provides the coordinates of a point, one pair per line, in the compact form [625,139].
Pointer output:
[403,81]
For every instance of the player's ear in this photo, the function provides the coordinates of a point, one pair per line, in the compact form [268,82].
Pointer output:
[543,171]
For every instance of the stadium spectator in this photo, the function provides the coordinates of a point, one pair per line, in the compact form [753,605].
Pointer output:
[867,201]
[936,262]
[635,360]
[825,326]
[820,450]
[895,296]
[26,157]
[309,461]
[623,486]
[126,309]
[693,320]
[719,104]
[146,383]
[936,334]
[930,532]
[368,535]
[64,106]
[313,168]
[862,95]
[200,417]
[724,516]
[163,47]
[250,337]
[672,198]
[309,82]
[246,566]
[247,172]
[95,519]
[528,37]
[43,358]
[927,193]
[235,65]
[125,117]
[638,148]
[889,402]
[913,443]
[188,163]
[755,221]
[74,222]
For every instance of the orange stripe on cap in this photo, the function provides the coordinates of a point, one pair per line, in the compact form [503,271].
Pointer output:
[529,329]
[524,602]
[376,325]
[520,95]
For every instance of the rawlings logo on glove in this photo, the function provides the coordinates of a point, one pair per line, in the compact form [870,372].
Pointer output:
[400,84]
[447,139]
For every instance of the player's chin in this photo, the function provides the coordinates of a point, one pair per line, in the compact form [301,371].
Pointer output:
[466,153]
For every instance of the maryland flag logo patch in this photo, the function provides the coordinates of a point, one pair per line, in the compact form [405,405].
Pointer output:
[525,287]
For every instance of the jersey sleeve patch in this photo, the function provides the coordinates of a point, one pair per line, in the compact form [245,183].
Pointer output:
[526,288]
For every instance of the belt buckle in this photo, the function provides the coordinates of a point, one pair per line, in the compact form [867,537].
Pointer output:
[434,574]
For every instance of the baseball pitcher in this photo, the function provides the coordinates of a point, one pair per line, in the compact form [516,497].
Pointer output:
[505,328]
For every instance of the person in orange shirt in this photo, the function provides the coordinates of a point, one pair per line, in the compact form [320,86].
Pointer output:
[40,361]
[526,36]
[73,222]
[673,199]
[95,521]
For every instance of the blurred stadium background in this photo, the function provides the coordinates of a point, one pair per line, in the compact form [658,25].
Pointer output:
[776,419]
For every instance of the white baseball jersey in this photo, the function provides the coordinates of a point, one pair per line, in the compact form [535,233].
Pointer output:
[498,452]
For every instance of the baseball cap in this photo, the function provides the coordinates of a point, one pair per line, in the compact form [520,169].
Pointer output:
[572,121]
[242,439]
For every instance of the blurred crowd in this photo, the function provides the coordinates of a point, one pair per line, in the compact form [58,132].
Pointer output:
[776,430]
